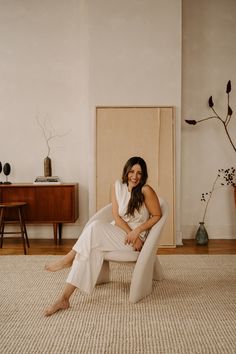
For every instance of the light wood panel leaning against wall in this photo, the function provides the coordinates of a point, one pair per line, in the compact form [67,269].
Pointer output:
[149,132]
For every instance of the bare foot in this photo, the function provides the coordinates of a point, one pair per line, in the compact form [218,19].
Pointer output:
[64,262]
[57,306]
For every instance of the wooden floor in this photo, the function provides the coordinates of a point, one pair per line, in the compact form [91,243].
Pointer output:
[44,247]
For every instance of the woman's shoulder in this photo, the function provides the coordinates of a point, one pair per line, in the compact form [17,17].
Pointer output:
[147,190]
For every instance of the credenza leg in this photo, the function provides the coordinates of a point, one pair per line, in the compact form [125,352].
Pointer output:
[55,227]
[59,231]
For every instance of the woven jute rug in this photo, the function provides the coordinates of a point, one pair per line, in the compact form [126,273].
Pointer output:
[193,310]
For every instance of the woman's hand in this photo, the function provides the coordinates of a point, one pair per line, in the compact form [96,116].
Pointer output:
[132,236]
[138,245]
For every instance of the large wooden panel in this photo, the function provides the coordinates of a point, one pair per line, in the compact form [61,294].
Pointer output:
[166,165]
[122,132]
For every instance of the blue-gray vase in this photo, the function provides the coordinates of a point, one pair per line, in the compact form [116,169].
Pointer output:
[201,235]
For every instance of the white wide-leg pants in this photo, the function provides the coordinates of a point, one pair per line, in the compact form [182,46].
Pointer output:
[96,239]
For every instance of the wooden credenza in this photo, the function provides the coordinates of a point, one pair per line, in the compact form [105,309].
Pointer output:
[46,204]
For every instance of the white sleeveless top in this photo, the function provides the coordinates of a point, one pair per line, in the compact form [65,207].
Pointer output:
[123,197]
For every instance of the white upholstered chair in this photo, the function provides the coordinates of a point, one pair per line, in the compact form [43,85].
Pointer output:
[147,266]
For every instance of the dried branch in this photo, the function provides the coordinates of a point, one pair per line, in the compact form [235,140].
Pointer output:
[48,135]
[225,121]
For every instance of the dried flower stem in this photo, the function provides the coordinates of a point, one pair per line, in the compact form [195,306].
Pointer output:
[211,192]
[228,176]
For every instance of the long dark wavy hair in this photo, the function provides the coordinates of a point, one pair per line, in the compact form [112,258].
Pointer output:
[137,197]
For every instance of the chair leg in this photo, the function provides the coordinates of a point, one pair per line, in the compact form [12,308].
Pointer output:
[140,288]
[104,273]
[22,230]
[157,271]
[141,281]
[2,224]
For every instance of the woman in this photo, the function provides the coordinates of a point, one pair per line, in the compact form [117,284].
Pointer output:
[135,208]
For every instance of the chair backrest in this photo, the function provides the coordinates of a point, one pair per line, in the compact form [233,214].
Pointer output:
[103,214]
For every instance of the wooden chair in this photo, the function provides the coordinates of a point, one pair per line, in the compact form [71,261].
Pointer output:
[147,266]
[7,208]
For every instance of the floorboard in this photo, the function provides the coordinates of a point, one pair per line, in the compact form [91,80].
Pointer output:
[47,246]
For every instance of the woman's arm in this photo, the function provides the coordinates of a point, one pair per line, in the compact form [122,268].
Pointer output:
[118,220]
[152,204]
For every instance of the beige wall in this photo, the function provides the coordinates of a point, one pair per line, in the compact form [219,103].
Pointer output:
[209,56]
[59,59]
[44,74]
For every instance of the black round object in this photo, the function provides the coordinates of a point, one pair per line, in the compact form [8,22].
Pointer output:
[6,169]
[0,167]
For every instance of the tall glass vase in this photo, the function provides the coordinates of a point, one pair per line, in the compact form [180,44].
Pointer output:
[201,235]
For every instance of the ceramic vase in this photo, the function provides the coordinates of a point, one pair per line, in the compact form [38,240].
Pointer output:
[201,235]
[47,167]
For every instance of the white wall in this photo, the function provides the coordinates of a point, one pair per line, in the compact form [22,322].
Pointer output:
[209,56]
[61,58]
